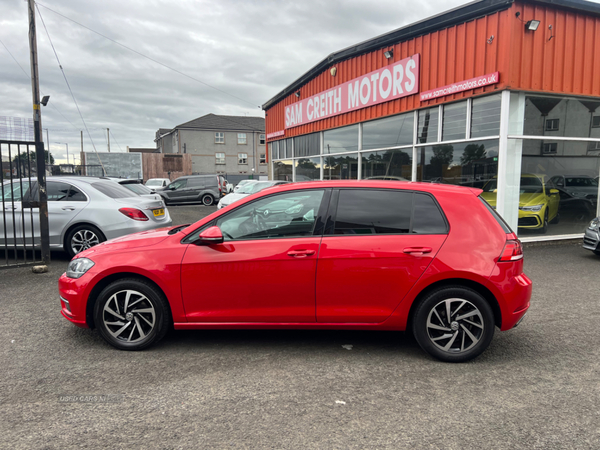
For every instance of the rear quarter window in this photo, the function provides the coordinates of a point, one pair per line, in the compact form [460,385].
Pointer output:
[427,216]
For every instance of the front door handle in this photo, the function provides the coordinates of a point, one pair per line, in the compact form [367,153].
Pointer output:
[417,251]
[301,253]
[68,208]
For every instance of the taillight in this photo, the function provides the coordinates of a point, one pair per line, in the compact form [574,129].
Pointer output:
[513,251]
[134,213]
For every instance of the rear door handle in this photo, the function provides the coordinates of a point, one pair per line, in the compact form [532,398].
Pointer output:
[417,251]
[301,253]
[68,208]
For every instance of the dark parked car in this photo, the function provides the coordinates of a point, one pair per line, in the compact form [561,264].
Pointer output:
[193,189]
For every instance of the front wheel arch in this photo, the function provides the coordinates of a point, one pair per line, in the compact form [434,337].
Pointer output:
[99,287]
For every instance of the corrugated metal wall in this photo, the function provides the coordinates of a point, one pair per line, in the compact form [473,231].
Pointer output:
[568,63]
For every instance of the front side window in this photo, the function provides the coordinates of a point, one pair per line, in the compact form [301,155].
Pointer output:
[219,138]
[241,138]
[57,191]
[220,158]
[15,191]
[291,214]
[178,184]
[242,158]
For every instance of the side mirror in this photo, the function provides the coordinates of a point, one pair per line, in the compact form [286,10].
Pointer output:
[210,236]
[553,191]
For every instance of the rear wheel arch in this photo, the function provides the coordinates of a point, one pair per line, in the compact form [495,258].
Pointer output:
[72,226]
[99,287]
[461,282]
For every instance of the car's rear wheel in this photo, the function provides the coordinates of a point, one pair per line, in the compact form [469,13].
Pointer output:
[81,238]
[454,324]
[132,314]
[207,200]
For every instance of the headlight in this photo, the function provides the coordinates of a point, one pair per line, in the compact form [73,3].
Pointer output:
[535,208]
[594,224]
[78,267]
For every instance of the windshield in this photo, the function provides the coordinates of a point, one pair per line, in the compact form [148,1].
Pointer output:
[581,182]
[255,187]
[154,183]
[529,185]
[138,188]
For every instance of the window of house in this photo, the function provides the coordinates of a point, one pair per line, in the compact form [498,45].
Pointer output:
[548,149]
[241,138]
[261,139]
[596,122]
[220,158]
[219,138]
[552,125]
[262,159]
[242,158]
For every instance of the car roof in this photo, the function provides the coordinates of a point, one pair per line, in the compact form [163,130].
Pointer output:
[381,184]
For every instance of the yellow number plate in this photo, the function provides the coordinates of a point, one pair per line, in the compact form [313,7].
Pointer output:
[158,212]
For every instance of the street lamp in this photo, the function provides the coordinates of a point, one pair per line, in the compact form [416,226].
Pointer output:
[67,150]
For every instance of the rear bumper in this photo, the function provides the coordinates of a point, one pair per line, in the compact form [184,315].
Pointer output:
[516,302]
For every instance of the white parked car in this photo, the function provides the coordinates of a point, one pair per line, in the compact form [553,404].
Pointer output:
[246,190]
[241,184]
[157,184]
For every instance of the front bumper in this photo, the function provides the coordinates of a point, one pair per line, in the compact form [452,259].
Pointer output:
[73,298]
[591,239]
[531,219]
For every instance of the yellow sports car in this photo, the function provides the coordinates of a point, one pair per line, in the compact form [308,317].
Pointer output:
[538,201]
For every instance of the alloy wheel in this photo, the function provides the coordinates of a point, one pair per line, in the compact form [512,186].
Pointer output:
[455,325]
[129,316]
[84,239]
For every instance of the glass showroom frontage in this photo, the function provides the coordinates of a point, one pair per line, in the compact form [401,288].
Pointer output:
[536,156]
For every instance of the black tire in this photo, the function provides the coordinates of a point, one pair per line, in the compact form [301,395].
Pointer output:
[596,252]
[544,228]
[207,199]
[81,238]
[130,328]
[467,337]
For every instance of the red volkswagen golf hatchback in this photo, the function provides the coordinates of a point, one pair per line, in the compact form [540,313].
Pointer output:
[368,255]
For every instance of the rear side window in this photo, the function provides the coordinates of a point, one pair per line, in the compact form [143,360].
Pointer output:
[373,212]
[75,195]
[112,190]
[428,218]
[195,182]
[499,219]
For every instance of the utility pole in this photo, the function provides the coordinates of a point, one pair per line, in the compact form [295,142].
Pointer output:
[39,145]
[82,157]
[108,136]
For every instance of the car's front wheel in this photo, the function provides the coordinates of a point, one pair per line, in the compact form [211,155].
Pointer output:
[81,238]
[454,324]
[132,314]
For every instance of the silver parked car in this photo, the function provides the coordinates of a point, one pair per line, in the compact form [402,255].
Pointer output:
[82,212]
[245,191]
[591,238]
[139,189]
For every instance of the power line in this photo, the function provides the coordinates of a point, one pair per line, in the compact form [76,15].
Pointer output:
[113,135]
[29,77]
[72,95]
[147,57]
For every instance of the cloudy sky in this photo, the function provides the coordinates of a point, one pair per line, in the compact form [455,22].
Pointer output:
[250,49]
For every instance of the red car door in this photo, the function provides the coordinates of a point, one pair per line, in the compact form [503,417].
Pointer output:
[265,269]
[374,251]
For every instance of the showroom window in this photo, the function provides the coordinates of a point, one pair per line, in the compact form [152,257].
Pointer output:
[308,169]
[283,170]
[342,167]
[242,139]
[389,132]
[340,140]
[242,158]
[361,212]
[428,125]
[485,116]
[274,150]
[307,145]
[220,158]
[387,165]
[219,138]
[454,121]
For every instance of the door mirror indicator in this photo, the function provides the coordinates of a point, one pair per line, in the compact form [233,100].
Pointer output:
[210,236]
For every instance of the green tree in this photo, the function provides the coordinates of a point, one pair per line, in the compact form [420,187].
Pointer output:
[22,158]
[472,152]
[442,157]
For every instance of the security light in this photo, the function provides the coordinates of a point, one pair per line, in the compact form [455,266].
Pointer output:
[297,94]
[45,99]
[389,53]
[532,25]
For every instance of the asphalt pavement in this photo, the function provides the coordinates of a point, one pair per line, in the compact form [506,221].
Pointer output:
[536,387]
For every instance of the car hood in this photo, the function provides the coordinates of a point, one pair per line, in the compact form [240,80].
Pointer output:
[524,199]
[230,198]
[128,242]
